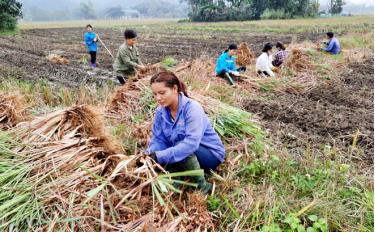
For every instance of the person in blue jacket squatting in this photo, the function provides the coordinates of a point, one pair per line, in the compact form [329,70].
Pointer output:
[226,65]
[333,45]
[182,135]
[90,40]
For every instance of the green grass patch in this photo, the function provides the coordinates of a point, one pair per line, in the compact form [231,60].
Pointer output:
[288,194]
[363,40]
[168,62]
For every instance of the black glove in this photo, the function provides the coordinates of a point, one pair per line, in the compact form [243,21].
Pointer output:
[153,156]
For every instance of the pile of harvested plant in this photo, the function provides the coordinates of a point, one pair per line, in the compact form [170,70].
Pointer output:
[244,55]
[68,173]
[12,110]
[298,61]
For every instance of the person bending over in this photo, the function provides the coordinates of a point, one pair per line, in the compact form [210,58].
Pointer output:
[280,55]
[226,65]
[264,62]
[127,59]
[182,136]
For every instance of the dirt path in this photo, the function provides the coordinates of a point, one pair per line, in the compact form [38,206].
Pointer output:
[331,113]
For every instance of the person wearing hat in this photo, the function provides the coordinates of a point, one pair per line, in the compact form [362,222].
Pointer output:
[127,59]
[226,65]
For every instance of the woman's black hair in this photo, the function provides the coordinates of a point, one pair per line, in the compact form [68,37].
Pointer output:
[89,25]
[170,80]
[130,34]
[330,34]
[280,45]
[267,47]
[231,47]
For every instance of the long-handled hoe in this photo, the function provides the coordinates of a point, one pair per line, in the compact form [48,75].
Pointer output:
[105,47]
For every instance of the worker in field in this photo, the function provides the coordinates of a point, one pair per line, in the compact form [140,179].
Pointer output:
[333,44]
[263,64]
[182,136]
[127,59]
[91,40]
[226,65]
[280,56]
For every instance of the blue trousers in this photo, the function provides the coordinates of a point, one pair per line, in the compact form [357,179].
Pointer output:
[206,160]
[200,159]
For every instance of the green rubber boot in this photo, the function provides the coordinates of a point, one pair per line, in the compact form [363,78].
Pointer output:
[192,163]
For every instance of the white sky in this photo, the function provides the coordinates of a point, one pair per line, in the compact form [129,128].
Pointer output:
[367,2]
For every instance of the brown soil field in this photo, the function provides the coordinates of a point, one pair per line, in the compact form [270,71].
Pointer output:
[24,55]
[330,114]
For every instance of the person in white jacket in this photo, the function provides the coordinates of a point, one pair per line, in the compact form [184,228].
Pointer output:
[264,61]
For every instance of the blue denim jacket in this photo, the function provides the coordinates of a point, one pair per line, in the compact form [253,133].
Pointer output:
[224,62]
[173,141]
[89,40]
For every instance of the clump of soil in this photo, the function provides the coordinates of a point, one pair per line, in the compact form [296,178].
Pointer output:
[333,113]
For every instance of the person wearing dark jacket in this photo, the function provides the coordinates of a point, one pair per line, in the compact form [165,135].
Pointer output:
[182,136]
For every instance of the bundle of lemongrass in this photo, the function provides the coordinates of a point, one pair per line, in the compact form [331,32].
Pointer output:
[231,122]
[68,174]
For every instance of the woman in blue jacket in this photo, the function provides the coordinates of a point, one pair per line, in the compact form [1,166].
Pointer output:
[226,65]
[90,41]
[182,135]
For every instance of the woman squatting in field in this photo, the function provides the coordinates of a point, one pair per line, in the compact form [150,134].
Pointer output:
[90,40]
[263,64]
[182,136]
[280,55]
[226,65]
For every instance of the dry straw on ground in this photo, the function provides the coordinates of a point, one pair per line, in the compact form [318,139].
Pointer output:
[57,59]
[244,55]
[12,110]
[77,171]
[298,61]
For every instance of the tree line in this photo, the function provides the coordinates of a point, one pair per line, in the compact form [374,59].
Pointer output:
[228,10]
[87,9]
[200,10]
[10,11]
